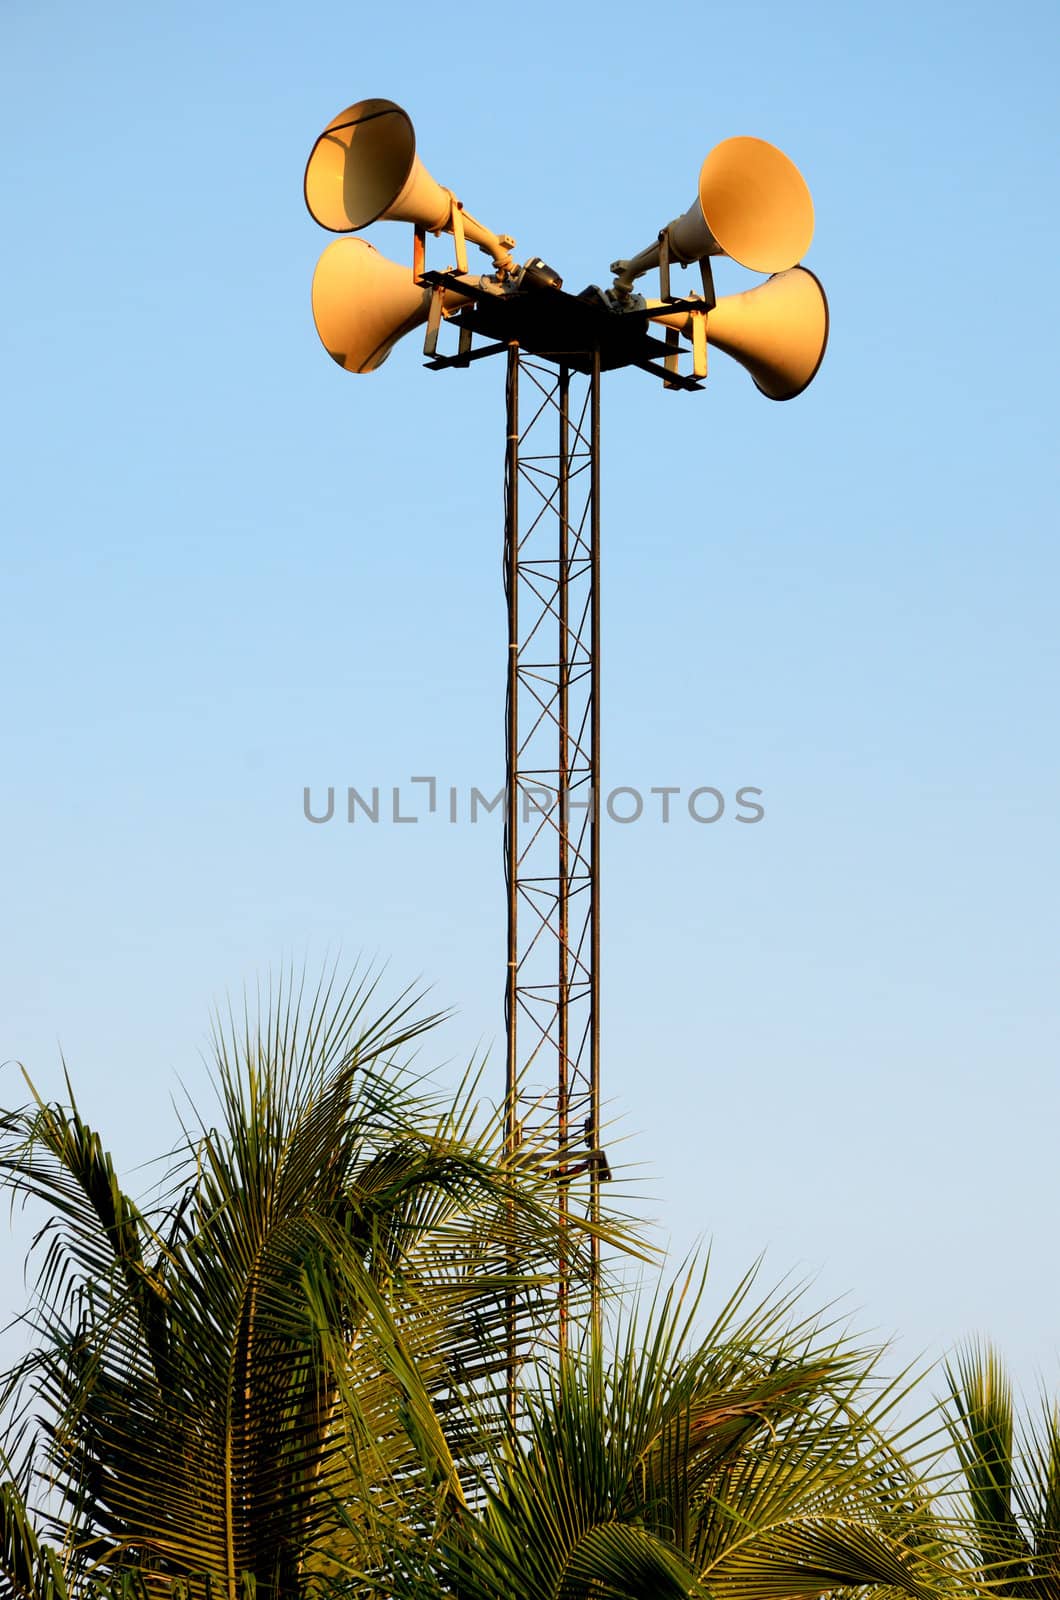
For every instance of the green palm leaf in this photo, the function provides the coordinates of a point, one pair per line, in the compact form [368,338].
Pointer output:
[748,1463]
[1011,1475]
[281,1365]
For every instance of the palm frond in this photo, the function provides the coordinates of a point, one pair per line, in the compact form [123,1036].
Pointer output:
[740,1464]
[1011,1475]
[284,1362]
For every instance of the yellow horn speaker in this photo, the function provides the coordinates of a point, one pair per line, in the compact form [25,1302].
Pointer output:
[753,205]
[778,331]
[364,168]
[364,303]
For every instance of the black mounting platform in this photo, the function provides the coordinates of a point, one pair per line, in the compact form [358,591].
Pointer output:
[566,328]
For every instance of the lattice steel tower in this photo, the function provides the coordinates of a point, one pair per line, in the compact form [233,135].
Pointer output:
[751,205]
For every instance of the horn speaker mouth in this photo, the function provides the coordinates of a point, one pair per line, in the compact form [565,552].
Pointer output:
[359,165]
[816,302]
[756,204]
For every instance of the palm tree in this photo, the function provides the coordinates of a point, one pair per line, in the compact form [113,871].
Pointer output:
[1011,1474]
[267,1369]
[749,1463]
[285,1374]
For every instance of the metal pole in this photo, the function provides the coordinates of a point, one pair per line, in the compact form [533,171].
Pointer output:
[594,846]
[563,805]
[511,838]
[552,838]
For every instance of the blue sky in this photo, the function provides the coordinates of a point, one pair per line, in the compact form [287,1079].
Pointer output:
[230,571]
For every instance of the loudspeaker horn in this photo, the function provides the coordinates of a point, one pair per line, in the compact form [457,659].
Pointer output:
[753,205]
[778,331]
[364,168]
[364,303]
